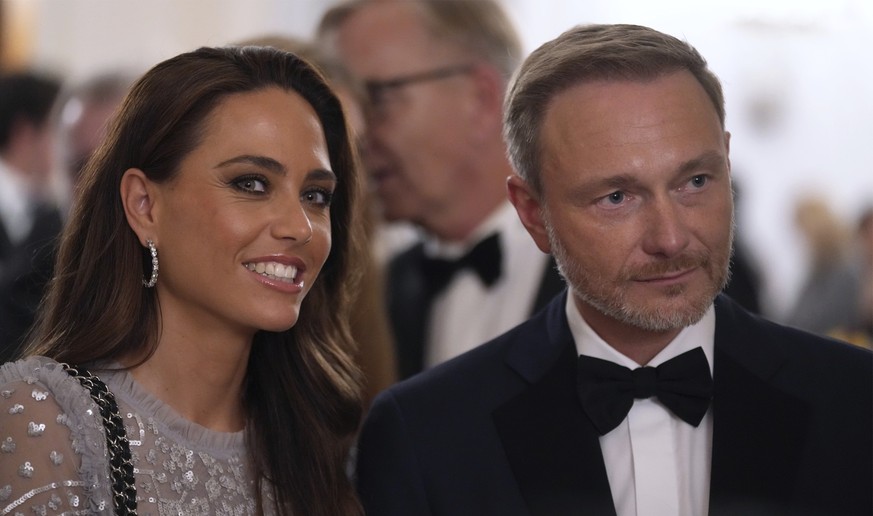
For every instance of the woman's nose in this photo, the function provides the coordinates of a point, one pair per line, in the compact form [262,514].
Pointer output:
[292,222]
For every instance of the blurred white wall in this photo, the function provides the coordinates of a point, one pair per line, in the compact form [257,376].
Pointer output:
[797,77]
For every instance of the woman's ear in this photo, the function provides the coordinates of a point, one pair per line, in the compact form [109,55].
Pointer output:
[138,197]
[529,209]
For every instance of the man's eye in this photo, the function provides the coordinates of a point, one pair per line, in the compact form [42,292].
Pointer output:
[698,181]
[615,197]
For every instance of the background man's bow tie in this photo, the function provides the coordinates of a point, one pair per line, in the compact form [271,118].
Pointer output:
[484,258]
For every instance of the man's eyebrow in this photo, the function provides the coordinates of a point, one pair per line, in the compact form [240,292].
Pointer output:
[707,160]
[258,161]
[599,185]
[620,182]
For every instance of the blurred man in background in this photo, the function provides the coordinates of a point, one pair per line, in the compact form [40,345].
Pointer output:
[435,73]
[29,217]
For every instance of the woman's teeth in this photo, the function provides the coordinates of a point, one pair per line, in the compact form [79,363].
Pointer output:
[273,270]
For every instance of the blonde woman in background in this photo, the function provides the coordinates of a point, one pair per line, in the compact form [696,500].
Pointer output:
[827,303]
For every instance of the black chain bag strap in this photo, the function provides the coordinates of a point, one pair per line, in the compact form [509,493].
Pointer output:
[120,463]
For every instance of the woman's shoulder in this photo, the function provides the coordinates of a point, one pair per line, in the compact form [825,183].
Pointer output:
[37,372]
[51,436]
[41,385]
[31,369]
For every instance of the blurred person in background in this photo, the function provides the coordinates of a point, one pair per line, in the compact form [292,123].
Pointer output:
[82,115]
[827,303]
[29,216]
[744,282]
[435,73]
[369,319]
[861,332]
[865,238]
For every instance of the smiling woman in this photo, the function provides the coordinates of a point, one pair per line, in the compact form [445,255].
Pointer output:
[204,278]
[260,180]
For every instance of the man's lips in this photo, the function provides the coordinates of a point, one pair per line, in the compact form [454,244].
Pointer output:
[667,276]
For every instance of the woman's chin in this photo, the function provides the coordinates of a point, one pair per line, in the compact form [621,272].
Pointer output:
[279,324]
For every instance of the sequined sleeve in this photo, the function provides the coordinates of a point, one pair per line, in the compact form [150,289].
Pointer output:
[52,446]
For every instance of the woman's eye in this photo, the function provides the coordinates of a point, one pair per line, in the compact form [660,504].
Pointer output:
[251,184]
[318,197]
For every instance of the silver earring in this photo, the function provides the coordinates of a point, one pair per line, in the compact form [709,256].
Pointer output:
[153,280]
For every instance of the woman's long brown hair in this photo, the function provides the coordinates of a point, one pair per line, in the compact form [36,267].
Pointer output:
[303,387]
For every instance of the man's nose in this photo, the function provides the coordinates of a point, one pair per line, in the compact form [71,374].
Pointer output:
[667,233]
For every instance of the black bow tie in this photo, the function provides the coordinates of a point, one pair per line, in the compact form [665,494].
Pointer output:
[607,390]
[484,258]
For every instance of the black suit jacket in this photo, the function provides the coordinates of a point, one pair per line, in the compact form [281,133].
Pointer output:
[499,431]
[409,306]
[25,272]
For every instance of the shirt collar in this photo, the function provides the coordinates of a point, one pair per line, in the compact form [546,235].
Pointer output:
[15,204]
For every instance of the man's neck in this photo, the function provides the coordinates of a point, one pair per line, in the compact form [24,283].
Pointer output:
[638,344]
[483,225]
[483,192]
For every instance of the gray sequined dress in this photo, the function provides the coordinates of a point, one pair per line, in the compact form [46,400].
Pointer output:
[53,457]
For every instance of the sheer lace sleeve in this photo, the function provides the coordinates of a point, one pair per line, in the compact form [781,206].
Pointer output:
[52,446]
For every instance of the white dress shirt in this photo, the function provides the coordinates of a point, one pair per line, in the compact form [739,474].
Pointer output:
[16,210]
[467,313]
[657,464]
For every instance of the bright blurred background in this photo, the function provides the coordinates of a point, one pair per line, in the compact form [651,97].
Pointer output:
[798,78]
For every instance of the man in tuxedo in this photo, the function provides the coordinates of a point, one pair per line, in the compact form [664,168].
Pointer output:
[642,390]
[29,220]
[434,74]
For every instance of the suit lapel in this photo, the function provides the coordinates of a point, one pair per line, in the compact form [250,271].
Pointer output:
[757,436]
[408,308]
[5,243]
[553,449]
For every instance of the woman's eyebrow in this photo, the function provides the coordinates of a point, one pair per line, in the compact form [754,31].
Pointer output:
[321,174]
[258,161]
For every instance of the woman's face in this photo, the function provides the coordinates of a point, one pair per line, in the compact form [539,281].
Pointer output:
[244,228]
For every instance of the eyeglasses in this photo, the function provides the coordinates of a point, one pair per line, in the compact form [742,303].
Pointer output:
[376,90]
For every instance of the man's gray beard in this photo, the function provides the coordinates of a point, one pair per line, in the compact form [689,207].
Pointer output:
[613,302]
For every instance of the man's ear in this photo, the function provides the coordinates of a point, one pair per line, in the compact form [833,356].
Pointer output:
[138,197]
[529,209]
